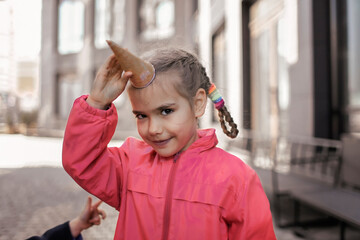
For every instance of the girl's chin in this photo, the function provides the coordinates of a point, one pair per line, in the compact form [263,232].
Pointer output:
[166,152]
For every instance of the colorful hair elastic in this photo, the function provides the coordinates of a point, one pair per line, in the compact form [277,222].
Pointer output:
[215,97]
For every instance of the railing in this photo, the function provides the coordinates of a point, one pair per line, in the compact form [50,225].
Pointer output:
[289,164]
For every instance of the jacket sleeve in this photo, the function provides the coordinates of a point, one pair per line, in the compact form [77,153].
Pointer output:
[251,219]
[85,155]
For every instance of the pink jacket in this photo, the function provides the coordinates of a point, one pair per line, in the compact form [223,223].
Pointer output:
[202,193]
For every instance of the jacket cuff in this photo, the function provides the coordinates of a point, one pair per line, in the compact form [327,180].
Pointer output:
[94,111]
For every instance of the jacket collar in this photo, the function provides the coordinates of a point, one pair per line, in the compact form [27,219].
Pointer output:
[207,139]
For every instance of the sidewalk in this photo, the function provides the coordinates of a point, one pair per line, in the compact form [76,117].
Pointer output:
[35,199]
[36,193]
[17,151]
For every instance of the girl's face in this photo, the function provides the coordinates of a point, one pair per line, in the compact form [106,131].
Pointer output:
[165,119]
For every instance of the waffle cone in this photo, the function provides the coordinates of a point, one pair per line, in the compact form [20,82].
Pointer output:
[143,71]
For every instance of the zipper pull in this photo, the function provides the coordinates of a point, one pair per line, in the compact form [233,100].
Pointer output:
[176,157]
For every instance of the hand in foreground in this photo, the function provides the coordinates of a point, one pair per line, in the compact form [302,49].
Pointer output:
[89,216]
[109,83]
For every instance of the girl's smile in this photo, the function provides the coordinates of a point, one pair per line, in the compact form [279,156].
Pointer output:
[161,143]
[165,119]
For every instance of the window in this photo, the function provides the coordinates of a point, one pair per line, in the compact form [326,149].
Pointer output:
[102,22]
[71,27]
[68,89]
[157,19]
[109,21]
[274,48]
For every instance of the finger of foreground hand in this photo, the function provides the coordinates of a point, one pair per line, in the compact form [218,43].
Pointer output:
[95,221]
[88,203]
[97,204]
[102,213]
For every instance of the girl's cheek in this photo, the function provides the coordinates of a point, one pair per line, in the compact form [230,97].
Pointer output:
[141,128]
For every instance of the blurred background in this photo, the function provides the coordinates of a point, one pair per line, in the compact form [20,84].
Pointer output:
[285,67]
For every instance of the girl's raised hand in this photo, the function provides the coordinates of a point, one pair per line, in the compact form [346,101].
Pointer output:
[109,83]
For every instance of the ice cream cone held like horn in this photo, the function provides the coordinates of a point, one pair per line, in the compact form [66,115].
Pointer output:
[143,72]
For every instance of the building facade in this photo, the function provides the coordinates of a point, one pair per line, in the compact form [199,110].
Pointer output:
[285,67]
[19,69]
[74,47]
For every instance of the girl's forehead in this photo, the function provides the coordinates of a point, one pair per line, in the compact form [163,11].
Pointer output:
[164,86]
[167,81]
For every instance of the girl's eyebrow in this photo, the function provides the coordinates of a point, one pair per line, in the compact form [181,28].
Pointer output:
[136,112]
[166,105]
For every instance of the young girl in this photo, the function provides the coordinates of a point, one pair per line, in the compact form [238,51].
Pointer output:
[174,183]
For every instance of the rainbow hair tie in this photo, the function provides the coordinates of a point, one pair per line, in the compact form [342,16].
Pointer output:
[215,97]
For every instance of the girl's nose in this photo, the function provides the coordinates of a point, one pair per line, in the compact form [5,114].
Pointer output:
[155,127]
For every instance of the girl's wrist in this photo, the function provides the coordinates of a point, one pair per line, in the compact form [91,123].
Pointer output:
[96,104]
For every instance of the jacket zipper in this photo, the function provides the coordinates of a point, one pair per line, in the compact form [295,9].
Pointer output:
[168,198]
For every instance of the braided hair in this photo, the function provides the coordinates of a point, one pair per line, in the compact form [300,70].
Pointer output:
[193,76]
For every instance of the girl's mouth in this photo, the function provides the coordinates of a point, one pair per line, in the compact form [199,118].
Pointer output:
[161,143]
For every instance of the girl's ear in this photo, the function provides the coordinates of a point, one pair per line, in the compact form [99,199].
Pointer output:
[200,101]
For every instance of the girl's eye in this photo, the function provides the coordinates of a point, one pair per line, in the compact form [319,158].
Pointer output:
[166,112]
[140,116]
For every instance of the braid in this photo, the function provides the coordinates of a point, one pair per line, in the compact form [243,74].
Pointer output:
[205,81]
[224,116]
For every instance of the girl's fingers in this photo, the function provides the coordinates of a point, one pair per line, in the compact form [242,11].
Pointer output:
[117,70]
[114,69]
[126,76]
[121,84]
[103,72]
[110,61]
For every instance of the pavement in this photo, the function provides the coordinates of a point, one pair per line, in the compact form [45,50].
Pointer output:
[37,194]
